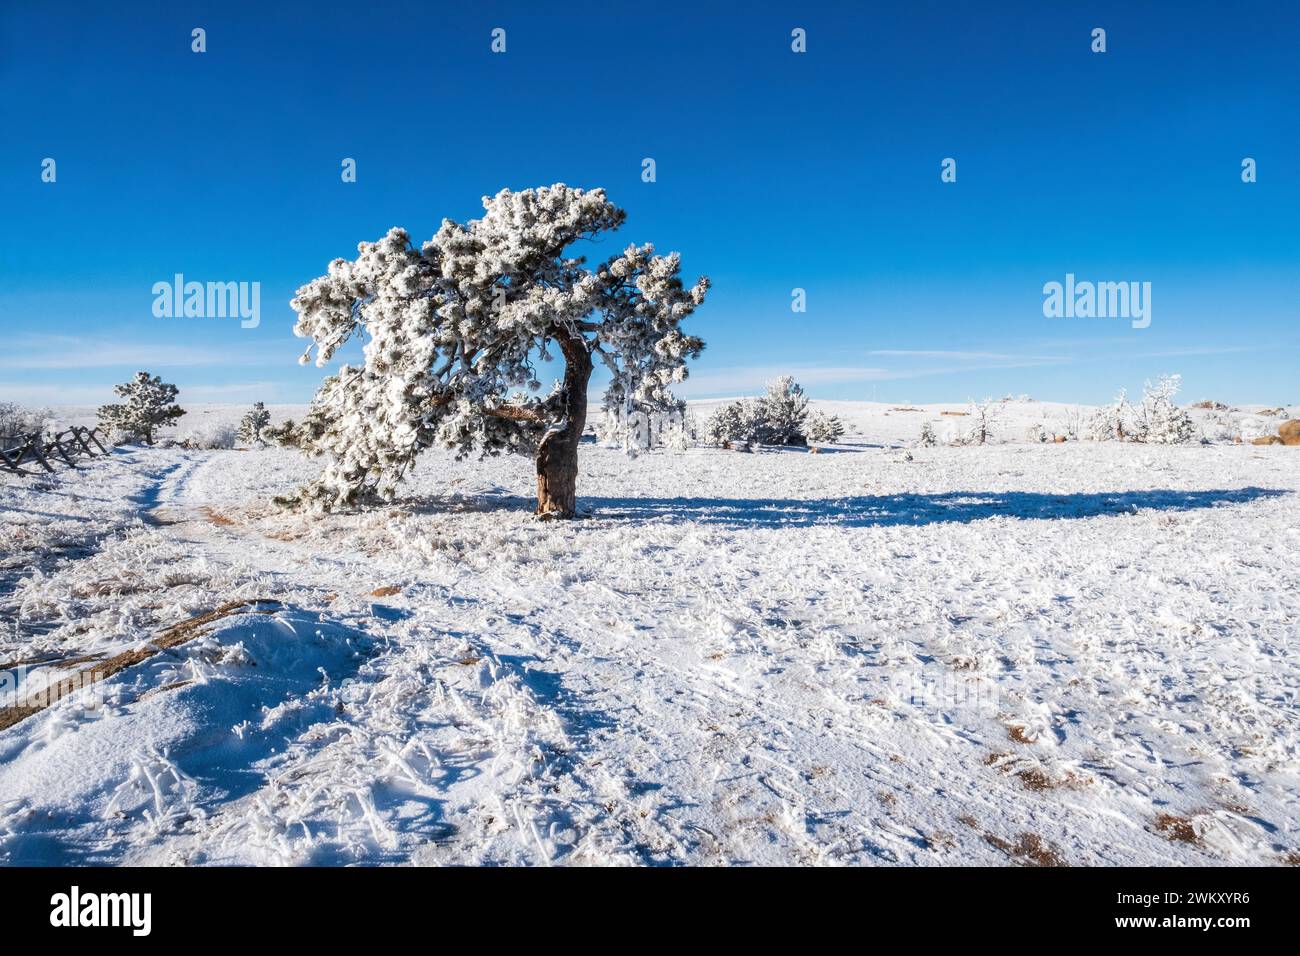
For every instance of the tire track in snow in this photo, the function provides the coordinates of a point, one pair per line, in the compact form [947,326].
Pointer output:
[436,716]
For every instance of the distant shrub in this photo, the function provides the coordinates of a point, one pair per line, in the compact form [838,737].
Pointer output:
[823,428]
[206,435]
[740,421]
[780,416]
[784,411]
[1154,420]
[636,429]
[983,415]
[18,419]
[1107,423]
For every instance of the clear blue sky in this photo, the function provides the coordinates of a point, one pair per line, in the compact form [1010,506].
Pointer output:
[775,171]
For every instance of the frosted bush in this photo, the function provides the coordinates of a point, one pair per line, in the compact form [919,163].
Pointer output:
[824,428]
[635,429]
[1073,424]
[1157,420]
[678,438]
[781,416]
[1154,420]
[1107,423]
[739,421]
[214,434]
[928,438]
[983,415]
[19,420]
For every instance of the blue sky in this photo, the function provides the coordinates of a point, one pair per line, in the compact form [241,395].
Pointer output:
[775,170]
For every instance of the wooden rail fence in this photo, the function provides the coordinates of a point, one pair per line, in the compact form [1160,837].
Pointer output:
[40,449]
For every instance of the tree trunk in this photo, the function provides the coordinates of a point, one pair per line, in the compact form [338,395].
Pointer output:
[557,456]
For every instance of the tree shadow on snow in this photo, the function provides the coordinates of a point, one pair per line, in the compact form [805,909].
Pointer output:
[885,510]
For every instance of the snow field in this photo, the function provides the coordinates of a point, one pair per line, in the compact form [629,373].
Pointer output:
[1078,653]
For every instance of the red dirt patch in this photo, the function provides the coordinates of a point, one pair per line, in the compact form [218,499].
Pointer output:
[213,516]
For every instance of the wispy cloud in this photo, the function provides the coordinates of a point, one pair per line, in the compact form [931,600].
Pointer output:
[50,352]
[1201,350]
[27,393]
[961,356]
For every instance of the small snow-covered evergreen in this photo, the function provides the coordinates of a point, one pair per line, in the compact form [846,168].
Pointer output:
[784,413]
[251,425]
[149,404]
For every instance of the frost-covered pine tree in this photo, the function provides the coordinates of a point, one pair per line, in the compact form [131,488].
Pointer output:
[784,413]
[251,425]
[928,438]
[454,327]
[149,404]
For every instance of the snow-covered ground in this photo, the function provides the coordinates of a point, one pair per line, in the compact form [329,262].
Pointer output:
[1019,653]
